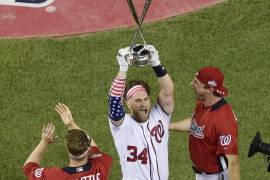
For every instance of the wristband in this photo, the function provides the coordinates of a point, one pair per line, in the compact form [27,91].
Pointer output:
[160,70]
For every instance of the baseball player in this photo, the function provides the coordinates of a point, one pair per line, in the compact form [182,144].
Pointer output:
[212,129]
[86,162]
[141,137]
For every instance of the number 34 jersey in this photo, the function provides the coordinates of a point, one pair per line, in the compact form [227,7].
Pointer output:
[143,147]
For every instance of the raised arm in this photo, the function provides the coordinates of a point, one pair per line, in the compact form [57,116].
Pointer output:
[116,107]
[66,116]
[183,125]
[47,137]
[165,96]
[166,93]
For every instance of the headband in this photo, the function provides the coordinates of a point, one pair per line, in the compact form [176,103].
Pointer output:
[134,90]
[79,156]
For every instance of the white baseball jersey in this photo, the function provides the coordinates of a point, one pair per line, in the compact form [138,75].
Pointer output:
[143,147]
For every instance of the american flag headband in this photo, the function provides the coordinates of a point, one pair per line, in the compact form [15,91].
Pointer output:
[134,90]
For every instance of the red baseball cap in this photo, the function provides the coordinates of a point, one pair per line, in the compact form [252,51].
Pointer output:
[212,77]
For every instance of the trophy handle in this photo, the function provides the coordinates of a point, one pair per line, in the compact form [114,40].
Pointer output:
[138,22]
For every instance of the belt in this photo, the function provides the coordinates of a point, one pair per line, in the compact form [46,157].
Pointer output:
[202,172]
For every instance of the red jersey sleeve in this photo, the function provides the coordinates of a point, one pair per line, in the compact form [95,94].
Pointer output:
[102,161]
[33,171]
[226,130]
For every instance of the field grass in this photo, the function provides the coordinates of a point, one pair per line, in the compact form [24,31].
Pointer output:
[35,74]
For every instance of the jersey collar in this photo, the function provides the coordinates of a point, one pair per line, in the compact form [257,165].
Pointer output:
[218,104]
[79,169]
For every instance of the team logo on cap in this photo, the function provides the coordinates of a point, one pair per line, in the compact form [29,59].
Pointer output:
[212,83]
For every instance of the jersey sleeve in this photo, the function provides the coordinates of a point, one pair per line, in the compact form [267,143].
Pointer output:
[227,133]
[162,113]
[102,161]
[33,171]
[116,107]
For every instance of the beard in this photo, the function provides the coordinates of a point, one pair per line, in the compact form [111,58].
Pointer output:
[141,115]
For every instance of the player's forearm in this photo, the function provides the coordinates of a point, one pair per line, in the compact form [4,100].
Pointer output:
[73,125]
[116,107]
[183,125]
[234,167]
[122,74]
[164,79]
[93,143]
[166,93]
[234,174]
[38,153]
[166,85]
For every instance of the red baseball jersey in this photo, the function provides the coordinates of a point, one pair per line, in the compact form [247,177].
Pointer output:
[97,168]
[213,133]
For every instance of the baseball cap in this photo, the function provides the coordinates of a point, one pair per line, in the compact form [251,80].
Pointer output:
[212,77]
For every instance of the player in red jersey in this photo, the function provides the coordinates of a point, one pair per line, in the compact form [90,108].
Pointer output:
[212,129]
[86,162]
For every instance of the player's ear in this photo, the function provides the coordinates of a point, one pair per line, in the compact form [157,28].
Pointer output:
[128,102]
[211,90]
[192,83]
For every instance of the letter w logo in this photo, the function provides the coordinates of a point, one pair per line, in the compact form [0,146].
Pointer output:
[158,131]
[27,3]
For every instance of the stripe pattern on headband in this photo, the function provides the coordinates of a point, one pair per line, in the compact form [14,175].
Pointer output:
[134,90]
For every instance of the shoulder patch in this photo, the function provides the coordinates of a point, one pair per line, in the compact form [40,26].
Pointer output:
[225,140]
[39,172]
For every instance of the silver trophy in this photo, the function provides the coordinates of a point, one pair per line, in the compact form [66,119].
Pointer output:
[139,53]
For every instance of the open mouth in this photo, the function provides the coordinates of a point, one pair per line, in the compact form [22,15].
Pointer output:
[143,111]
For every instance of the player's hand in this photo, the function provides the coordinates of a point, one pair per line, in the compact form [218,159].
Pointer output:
[154,55]
[48,133]
[122,53]
[64,113]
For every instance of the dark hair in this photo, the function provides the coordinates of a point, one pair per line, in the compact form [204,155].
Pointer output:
[133,83]
[214,93]
[77,142]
